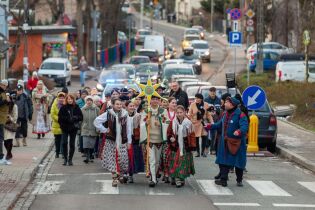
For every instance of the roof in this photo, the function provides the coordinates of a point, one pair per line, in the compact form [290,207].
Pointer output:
[58,60]
[147,50]
[176,65]
[50,29]
[140,56]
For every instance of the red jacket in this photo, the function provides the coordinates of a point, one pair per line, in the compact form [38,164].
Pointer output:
[32,83]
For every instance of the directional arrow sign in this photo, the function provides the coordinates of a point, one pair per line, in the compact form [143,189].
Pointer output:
[254,97]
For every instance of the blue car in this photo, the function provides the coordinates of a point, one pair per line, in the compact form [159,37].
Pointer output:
[270,60]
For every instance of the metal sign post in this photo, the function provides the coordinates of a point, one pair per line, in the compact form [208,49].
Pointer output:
[307,42]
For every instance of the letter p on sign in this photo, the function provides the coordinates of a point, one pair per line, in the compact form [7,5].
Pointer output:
[235,38]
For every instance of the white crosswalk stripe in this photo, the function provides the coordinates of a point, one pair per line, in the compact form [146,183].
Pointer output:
[210,188]
[267,188]
[106,188]
[47,187]
[309,185]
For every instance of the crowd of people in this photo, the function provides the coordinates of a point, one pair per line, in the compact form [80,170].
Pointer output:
[128,134]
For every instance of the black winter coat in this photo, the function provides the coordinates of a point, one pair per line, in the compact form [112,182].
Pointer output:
[181,98]
[69,117]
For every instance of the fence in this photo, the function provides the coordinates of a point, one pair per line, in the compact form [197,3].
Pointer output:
[111,55]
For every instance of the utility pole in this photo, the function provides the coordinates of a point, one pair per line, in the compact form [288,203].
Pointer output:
[211,16]
[25,28]
[260,36]
[95,15]
[141,14]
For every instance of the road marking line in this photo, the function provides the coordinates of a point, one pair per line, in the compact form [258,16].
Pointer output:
[267,188]
[236,204]
[210,188]
[106,188]
[47,187]
[309,185]
[157,192]
[294,205]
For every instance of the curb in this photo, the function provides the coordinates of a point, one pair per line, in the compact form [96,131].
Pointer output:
[298,159]
[27,177]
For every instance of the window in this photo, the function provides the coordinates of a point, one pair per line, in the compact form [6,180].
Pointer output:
[200,45]
[274,56]
[177,71]
[145,68]
[53,66]
[311,68]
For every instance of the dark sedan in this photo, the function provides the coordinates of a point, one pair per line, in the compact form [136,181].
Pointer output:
[144,70]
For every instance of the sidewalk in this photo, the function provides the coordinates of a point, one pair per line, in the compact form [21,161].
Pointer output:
[14,178]
[296,144]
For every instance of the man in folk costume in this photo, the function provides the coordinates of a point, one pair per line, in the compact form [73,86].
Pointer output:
[232,142]
[115,124]
[155,119]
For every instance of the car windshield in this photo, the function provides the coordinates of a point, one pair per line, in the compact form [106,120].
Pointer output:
[146,68]
[139,60]
[149,53]
[192,32]
[112,75]
[190,38]
[191,91]
[144,32]
[219,92]
[176,71]
[53,66]
[200,45]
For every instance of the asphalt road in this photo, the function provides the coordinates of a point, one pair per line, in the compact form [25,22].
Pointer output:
[270,183]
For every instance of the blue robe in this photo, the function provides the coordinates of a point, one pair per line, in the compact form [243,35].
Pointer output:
[239,122]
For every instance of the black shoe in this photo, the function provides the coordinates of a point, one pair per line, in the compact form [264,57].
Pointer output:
[217,177]
[130,179]
[43,135]
[65,162]
[240,184]
[70,163]
[221,182]
[173,181]
[86,161]
[38,136]
[166,180]
[152,184]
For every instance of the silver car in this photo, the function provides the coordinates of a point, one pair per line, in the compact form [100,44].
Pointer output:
[202,50]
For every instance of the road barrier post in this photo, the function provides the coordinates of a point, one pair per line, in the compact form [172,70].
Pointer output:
[253,134]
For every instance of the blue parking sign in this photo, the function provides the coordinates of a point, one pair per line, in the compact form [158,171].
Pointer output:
[235,39]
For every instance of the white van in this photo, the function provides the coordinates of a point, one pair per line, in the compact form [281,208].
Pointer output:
[57,69]
[156,42]
[294,71]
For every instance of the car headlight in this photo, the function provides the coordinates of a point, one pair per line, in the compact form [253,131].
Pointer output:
[99,87]
[198,63]
[202,34]
[160,59]
[207,53]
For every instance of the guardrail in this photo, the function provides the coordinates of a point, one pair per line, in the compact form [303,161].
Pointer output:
[111,55]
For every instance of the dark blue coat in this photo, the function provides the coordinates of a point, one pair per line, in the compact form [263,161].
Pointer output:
[238,121]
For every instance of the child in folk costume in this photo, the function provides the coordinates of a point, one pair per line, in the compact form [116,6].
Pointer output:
[155,126]
[136,161]
[171,113]
[179,138]
[115,124]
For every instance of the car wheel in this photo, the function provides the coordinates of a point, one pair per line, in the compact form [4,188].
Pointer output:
[272,147]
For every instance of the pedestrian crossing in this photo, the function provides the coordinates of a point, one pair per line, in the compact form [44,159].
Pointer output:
[208,187]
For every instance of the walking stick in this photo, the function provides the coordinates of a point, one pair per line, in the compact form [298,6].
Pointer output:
[148,140]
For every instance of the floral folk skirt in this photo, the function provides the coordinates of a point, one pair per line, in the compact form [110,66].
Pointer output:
[115,161]
[181,166]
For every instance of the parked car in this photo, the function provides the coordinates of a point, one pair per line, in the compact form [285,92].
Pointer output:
[295,71]
[56,69]
[267,127]
[271,46]
[270,60]
[192,31]
[137,60]
[202,50]
[145,69]
[129,68]
[201,30]
[151,53]
[180,69]
[141,34]
[186,42]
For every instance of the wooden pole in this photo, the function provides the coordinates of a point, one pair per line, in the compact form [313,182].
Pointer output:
[148,139]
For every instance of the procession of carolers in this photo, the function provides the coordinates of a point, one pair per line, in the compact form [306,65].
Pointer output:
[130,136]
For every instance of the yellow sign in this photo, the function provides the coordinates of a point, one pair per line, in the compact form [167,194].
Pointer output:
[306,38]
[250,13]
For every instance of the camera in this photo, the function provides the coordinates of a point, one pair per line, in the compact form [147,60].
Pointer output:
[211,108]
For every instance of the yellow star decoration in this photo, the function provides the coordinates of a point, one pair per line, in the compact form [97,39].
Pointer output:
[149,90]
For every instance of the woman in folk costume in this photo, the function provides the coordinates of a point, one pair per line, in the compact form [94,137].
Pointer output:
[181,158]
[157,116]
[40,119]
[171,113]
[114,123]
[196,114]
[136,162]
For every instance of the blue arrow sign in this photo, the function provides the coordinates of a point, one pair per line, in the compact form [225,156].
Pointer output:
[254,97]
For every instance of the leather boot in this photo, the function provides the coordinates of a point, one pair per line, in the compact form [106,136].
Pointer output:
[17,143]
[24,142]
